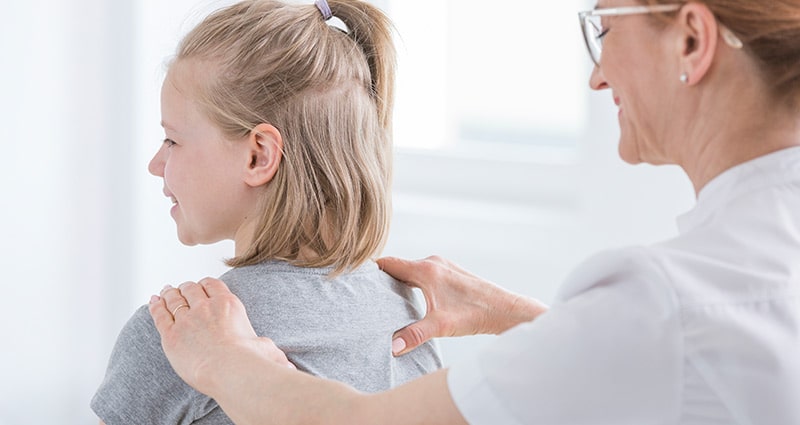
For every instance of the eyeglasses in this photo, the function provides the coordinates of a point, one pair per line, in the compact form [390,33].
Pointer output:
[593,31]
[592,26]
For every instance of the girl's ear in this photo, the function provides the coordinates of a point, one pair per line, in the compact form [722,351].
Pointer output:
[265,153]
[698,30]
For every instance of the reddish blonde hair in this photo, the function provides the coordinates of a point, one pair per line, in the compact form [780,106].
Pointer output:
[770,32]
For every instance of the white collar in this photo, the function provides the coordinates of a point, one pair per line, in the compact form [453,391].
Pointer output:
[774,168]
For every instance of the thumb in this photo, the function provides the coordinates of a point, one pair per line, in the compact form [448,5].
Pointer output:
[400,269]
[412,336]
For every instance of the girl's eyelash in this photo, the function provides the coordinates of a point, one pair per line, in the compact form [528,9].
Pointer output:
[170,142]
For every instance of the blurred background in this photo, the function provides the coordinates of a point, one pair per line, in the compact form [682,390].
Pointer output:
[506,163]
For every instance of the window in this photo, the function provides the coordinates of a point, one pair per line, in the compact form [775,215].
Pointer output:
[513,73]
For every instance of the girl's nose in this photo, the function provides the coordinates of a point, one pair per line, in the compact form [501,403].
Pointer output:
[156,165]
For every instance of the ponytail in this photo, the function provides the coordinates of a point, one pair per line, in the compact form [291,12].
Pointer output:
[372,31]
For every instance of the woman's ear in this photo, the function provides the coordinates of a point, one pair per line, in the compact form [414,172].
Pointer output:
[265,153]
[698,30]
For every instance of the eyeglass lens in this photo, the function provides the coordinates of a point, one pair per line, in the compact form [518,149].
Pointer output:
[593,32]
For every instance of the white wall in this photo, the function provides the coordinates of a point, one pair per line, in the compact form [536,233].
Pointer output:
[66,188]
[86,235]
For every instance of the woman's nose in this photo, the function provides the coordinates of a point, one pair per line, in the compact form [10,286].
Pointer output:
[597,81]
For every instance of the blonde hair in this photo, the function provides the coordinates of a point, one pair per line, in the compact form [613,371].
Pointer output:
[329,92]
[770,31]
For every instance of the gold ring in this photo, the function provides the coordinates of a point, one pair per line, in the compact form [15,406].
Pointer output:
[178,308]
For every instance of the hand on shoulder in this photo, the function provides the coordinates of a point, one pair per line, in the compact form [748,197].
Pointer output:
[204,329]
[458,302]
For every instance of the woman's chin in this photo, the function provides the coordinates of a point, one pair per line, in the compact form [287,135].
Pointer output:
[629,153]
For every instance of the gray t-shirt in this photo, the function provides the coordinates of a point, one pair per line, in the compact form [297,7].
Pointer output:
[337,328]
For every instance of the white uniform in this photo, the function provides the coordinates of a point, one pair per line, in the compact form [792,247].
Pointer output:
[700,329]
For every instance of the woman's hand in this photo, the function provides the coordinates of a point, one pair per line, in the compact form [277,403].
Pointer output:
[458,302]
[204,328]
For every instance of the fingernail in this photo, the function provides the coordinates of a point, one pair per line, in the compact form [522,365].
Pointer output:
[154,299]
[291,365]
[398,345]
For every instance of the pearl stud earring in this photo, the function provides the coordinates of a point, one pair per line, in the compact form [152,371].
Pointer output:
[684,78]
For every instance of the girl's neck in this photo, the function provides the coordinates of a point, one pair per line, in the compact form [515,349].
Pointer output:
[243,241]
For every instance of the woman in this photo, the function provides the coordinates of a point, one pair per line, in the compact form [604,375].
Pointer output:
[699,329]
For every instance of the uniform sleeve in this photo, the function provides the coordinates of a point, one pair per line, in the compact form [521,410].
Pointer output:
[609,351]
[140,387]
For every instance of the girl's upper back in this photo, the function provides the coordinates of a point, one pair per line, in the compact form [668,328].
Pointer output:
[338,328]
[341,327]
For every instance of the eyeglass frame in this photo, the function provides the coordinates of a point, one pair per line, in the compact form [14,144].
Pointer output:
[730,38]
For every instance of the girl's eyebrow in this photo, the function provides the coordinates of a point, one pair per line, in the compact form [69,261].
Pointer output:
[167,126]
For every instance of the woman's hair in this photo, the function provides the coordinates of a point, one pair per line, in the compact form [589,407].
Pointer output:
[329,92]
[770,31]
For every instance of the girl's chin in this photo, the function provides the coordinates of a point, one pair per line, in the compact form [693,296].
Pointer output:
[187,242]
[185,238]
[193,239]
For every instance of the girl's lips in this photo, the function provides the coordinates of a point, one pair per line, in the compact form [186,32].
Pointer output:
[174,210]
[170,196]
[174,201]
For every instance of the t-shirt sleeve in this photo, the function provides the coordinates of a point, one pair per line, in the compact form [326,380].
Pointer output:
[140,387]
[607,352]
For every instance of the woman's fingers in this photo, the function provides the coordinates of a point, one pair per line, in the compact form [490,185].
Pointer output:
[458,302]
[416,273]
[174,300]
[415,334]
[161,315]
[400,269]
[214,287]
[200,324]
[193,293]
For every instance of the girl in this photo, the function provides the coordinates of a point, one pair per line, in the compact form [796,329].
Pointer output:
[278,136]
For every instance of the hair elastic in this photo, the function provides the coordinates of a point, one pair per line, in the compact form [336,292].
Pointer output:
[323,7]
